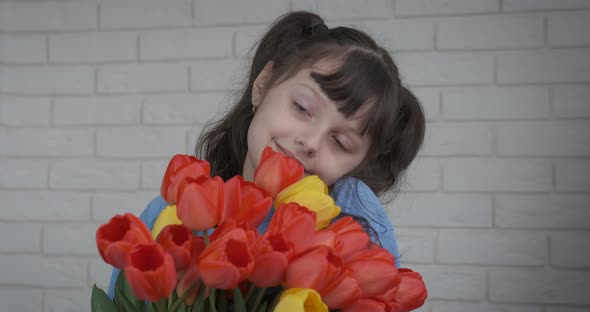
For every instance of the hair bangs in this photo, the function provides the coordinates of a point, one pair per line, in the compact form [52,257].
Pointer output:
[359,81]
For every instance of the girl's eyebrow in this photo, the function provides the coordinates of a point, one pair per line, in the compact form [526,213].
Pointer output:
[314,91]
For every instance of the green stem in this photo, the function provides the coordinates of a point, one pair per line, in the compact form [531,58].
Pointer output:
[161,305]
[250,291]
[181,299]
[212,300]
[259,296]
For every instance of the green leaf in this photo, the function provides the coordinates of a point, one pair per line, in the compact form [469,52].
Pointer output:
[239,303]
[124,297]
[263,306]
[199,302]
[222,304]
[100,302]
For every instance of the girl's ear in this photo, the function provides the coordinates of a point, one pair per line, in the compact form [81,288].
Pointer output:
[260,85]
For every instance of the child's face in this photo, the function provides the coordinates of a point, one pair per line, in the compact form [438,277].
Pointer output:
[297,119]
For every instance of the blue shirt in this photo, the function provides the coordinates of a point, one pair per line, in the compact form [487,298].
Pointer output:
[352,195]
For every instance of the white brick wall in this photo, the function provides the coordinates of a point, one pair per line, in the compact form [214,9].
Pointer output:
[95,96]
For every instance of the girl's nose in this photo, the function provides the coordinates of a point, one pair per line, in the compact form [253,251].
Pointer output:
[308,145]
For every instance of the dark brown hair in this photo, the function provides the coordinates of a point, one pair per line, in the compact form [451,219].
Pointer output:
[367,75]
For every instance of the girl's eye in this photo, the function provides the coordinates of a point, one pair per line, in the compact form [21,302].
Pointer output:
[340,144]
[299,107]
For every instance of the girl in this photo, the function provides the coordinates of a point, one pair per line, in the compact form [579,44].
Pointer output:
[333,100]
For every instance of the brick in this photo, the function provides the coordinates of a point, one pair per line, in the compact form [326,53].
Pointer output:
[453,283]
[497,175]
[572,175]
[457,139]
[543,211]
[182,108]
[445,68]
[140,142]
[45,206]
[245,38]
[22,49]
[552,66]
[70,239]
[346,9]
[94,174]
[442,210]
[17,173]
[531,5]
[565,309]
[46,142]
[25,111]
[495,103]
[554,138]
[215,12]
[421,36]
[443,306]
[490,32]
[29,238]
[416,246]
[152,172]
[119,14]
[543,287]
[47,16]
[571,101]
[138,78]
[42,271]
[47,80]
[570,249]
[430,100]
[451,7]
[422,175]
[568,29]
[93,47]
[100,274]
[21,299]
[86,111]
[228,75]
[105,205]
[492,247]
[67,300]
[185,44]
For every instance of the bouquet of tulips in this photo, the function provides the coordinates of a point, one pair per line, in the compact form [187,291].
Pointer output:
[205,253]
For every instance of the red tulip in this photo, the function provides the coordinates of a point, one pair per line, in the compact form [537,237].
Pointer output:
[276,171]
[150,272]
[244,202]
[369,304]
[271,257]
[322,270]
[350,237]
[179,241]
[200,202]
[411,292]
[297,223]
[115,238]
[227,261]
[179,168]
[375,276]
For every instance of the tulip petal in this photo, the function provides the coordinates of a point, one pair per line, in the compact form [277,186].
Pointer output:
[219,274]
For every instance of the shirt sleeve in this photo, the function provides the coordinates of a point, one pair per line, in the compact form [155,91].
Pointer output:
[148,216]
[357,199]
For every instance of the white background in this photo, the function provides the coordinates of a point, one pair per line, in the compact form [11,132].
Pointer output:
[95,97]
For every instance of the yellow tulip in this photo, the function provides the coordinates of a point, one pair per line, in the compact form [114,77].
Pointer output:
[167,216]
[300,300]
[312,193]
